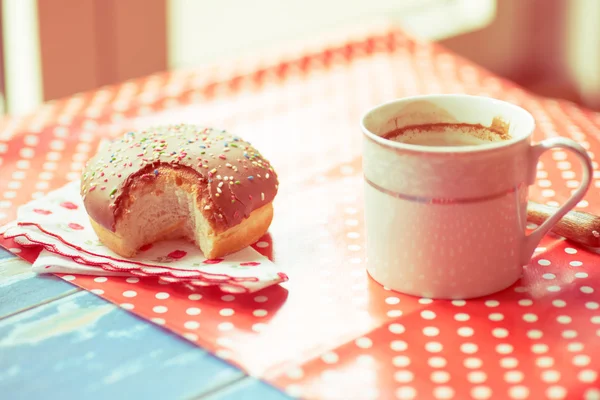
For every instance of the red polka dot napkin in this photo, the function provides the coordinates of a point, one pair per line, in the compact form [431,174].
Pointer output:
[330,332]
[59,224]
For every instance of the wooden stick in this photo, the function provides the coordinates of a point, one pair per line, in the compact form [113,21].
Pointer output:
[577,226]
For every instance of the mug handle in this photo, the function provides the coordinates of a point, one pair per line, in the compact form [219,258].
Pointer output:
[534,238]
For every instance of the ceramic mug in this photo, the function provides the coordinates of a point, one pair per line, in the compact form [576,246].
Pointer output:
[449,222]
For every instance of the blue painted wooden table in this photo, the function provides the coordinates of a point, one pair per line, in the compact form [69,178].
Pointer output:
[60,342]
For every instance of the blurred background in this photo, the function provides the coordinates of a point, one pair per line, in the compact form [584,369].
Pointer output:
[56,48]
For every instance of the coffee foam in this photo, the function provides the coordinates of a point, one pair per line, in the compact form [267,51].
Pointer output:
[444,134]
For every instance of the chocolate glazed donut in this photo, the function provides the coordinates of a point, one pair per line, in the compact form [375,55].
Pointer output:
[179,181]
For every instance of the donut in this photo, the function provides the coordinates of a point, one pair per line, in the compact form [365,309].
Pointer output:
[181,181]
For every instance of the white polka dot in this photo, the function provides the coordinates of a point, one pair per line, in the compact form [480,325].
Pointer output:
[425,300]
[394,313]
[559,303]
[544,362]
[544,262]
[473,363]
[398,345]
[158,321]
[68,278]
[191,325]
[548,276]
[261,299]
[458,303]
[262,244]
[132,280]
[330,357]
[569,334]
[401,361]
[556,392]
[354,247]
[100,279]
[476,376]
[228,297]
[127,306]
[525,302]
[440,376]
[365,360]
[431,331]
[539,348]
[492,303]
[433,347]
[469,348]
[581,360]
[403,376]
[499,332]
[225,326]
[581,275]
[465,331]
[587,376]
[563,319]
[520,289]
[364,342]
[586,289]
[392,300]
[575,347]
[162,295]
[352,222]
[496,317]
[226,312]
[193,311]
[550,376]
[225,342]
[160,309]
[427,314]
[443,392]
[353,235]
[295,373]
[544,183]
[553,288]
[396,328]
[462,317]
[513,376]
[592,394]
[97,291]
[509,362]
[548,193]
[529,317]
[504,348]
[259,327]
[129,293]
[481,392]
[260,313]
[570,250]
[518,392]
[575,263]
[437,362]
[592,305]
[406,393]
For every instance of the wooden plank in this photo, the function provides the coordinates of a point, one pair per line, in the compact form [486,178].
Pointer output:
[248,389]
[5,254]
[82,347]
[21,289]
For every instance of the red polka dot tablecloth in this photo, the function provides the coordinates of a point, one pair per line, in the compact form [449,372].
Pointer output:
[331,332]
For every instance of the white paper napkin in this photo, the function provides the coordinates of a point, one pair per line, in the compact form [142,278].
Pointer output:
[58,223]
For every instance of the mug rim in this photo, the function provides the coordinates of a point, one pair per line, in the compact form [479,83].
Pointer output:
[446,149]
